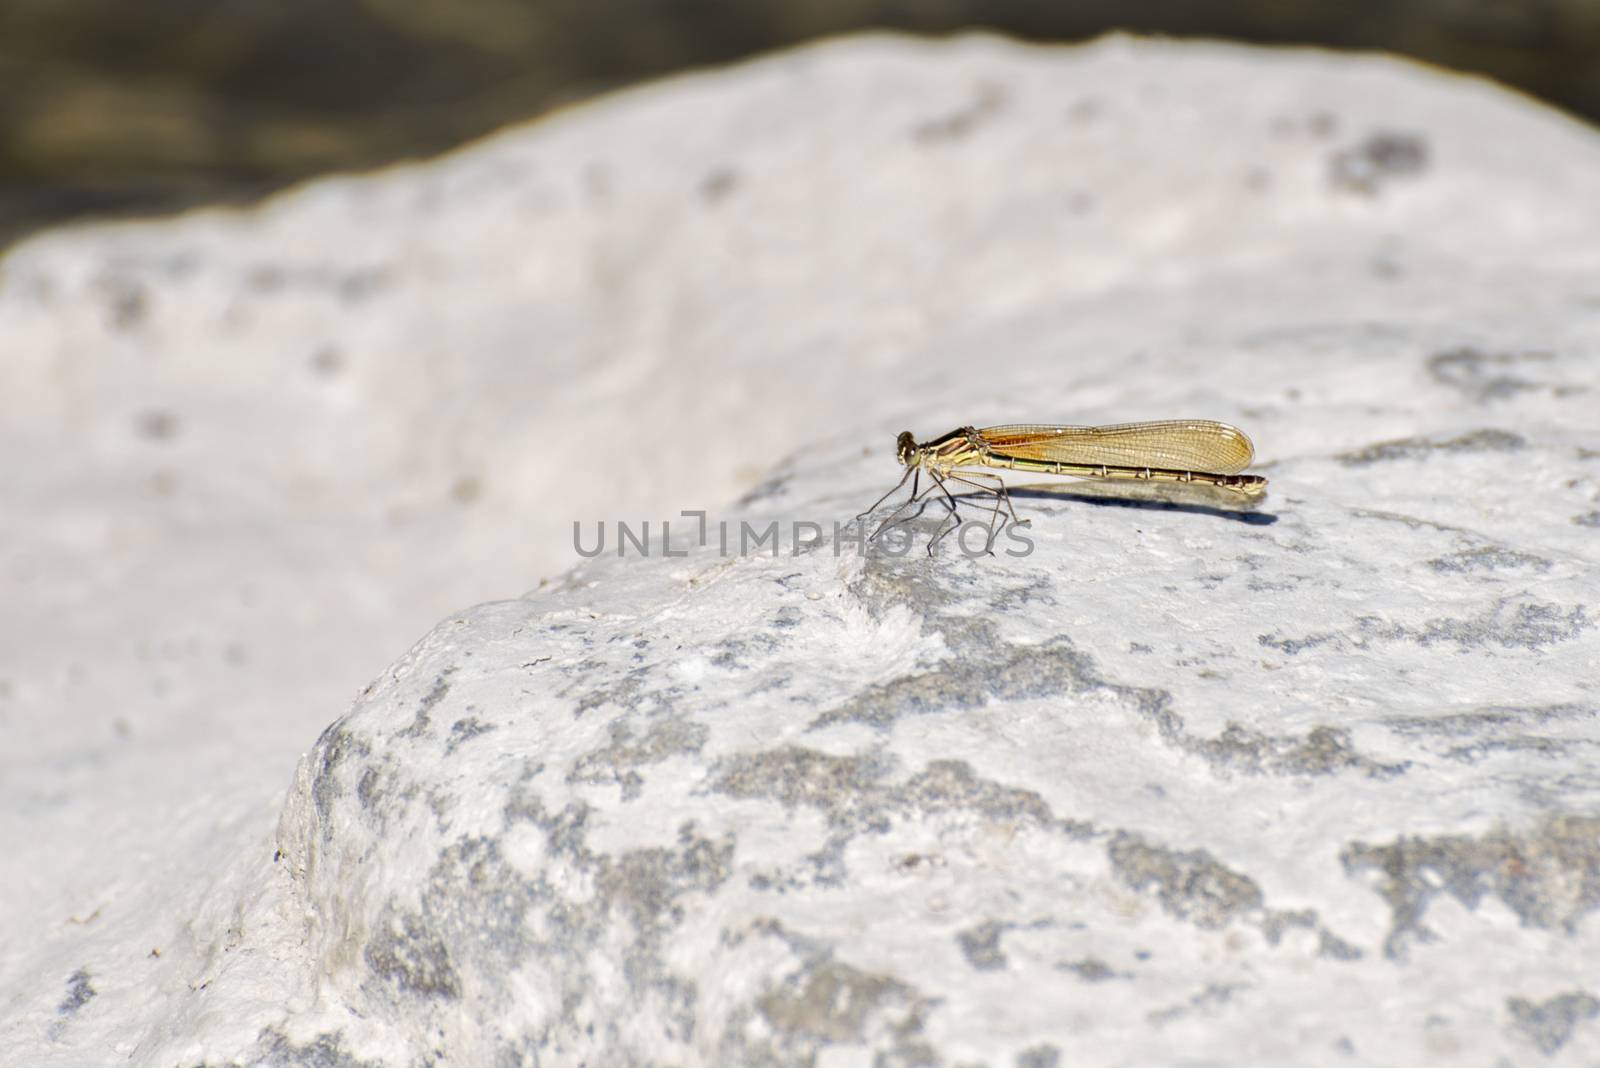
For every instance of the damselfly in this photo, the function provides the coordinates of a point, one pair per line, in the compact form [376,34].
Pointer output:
[1171,450]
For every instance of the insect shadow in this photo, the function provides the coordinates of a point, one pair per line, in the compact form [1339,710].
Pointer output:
[1158,497]
[1153,498]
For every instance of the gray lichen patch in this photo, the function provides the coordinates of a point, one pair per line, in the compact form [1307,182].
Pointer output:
[987,100]
[1486,376]
[1521,622]
[1090,970]
[1488,440]
[1043,1055]
[619,760]
[409,953]
[464,730]
[1471,736]
[864,795]
[422,722]
[844,788]
[952,786]
[1210,998]
[630,690]
[1511,622]
[968,682]
[859,793]
[1374,162]
[1550,1024]
[326,1050]
[1479,721]
[79,993]
[1191,885]
[1296,646]
[981,945]
[339,744]
[647,884]
[479,914]
[831,1002]
[627,904]
[981,668]
[1488,558]
[1549,876]
[1321,751]
[818,1002]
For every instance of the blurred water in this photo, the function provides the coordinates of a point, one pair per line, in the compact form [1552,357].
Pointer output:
[107,106]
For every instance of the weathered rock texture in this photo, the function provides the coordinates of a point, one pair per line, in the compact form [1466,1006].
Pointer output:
[1317,785]
[1168,781]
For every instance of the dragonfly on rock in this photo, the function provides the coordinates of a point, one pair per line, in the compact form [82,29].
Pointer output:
[1170,450]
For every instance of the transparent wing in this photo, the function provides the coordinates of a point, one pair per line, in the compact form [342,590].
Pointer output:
[1177,444]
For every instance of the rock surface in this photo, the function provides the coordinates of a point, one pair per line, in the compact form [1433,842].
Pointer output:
[1315,783]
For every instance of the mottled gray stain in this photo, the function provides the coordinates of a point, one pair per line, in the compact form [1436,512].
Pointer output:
[464,730]
[718,184]
[423,721]
[730,653]
[79,993]
[1549,1024]
[1510,623]
[1001,673]
[1551,748]
[858,793]
[982,668]
[1382,157]
[408,951]
[619,760]
[1488,558]
[987,101]
[862,794]
[1296,646]
[127,301]
[337,745]
[1043,1055]
[1486,377]
[478,914]
[1333,947]
[1322,751]
[820,1002]
[1470,737]
[1090,970]
[1191,885]
[648,888]
[1210,998]
[369,788]
[1480,376]
[1492,719]
[830,1001]
[628,693]
[325,1051]
[1521,622]
[1548,876]
[1476,441]
[981,946]
[775,484]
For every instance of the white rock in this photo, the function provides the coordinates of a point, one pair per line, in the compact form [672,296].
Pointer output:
[1312,785]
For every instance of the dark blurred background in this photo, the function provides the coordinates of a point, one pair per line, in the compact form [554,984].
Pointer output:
[134,106]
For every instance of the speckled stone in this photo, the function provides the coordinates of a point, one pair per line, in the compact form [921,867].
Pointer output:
[1162,780]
